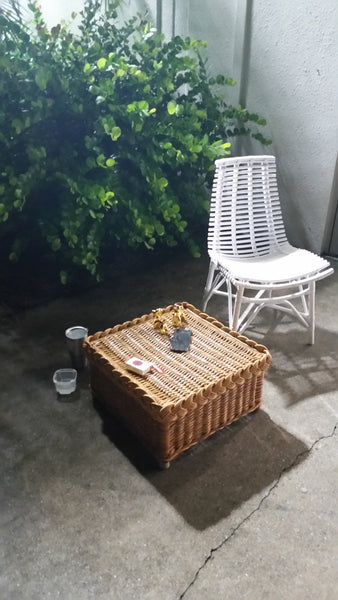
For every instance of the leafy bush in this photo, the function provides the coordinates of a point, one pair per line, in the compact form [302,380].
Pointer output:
[108,136]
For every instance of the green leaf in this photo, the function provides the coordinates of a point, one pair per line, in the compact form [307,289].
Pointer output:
[162,183]
[101,63]
[143,105]
[101,160]
[86,68]
[42,77]
[202,114]
[171,107]
[17,125]
[183,225]
[160,229]
[115,133]
[110,162]
[107,198]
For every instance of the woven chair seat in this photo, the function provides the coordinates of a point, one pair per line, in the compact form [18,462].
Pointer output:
[281,267]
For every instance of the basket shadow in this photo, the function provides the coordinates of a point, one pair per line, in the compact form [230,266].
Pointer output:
[216,476]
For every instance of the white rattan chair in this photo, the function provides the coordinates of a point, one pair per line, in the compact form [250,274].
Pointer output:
[249,251]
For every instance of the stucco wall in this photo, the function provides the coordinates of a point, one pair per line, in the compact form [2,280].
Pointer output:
[216,24]
[54,12]
[293,82]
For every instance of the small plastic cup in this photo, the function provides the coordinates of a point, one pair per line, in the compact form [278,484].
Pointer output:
[65,381]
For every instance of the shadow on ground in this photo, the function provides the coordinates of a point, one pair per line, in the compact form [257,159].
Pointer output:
[207,482]
[304,372]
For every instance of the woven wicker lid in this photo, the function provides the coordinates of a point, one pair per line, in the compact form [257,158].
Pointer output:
[217,357]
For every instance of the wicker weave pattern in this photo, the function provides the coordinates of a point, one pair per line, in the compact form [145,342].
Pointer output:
[217,357]
[219,380]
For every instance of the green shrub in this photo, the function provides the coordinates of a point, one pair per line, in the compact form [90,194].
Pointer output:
[108,137]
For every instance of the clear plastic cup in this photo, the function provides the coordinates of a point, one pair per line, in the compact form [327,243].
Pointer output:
[65,381]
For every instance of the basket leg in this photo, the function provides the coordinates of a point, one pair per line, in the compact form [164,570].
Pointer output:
[164,464]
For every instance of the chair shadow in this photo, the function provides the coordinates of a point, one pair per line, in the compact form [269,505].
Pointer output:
[213,478]
[302,371]
[299,370]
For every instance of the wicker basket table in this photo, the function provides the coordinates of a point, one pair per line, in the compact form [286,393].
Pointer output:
[216,382]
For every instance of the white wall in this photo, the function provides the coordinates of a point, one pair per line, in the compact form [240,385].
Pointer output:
[131,7]
[174,14]
[293,82]
[215,23]
[56,11]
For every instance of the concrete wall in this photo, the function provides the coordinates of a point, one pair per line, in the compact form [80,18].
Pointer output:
[289,78]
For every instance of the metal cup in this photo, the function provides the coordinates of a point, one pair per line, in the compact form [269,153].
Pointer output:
[74,338]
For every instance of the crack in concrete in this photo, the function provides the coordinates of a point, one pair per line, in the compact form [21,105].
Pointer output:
[213,551]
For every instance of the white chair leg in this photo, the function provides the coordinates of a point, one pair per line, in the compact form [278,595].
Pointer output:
[237,308]
[312,299]
[208,285]
[304,303]
[230,308]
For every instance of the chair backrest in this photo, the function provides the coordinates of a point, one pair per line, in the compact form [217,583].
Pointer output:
[245,213]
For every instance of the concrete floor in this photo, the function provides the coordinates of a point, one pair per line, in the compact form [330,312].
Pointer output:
[85,512]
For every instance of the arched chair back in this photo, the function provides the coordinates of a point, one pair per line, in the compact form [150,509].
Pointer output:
[245,213]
